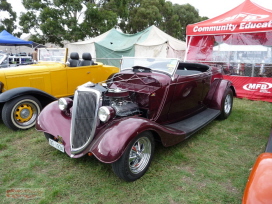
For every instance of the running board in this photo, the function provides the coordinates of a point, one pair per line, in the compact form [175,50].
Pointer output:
[196,122]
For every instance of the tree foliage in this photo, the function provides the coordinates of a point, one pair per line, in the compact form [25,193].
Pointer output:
[8,17]
[58,20]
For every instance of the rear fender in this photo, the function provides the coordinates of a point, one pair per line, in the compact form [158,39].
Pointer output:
[216,93]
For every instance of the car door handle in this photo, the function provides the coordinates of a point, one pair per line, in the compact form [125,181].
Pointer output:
[88,72]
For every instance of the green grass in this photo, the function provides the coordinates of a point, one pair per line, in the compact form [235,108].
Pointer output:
[210,167]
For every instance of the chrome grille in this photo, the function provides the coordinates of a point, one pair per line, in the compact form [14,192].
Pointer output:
[84,119]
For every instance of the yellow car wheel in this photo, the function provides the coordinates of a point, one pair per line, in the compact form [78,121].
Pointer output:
[21,113]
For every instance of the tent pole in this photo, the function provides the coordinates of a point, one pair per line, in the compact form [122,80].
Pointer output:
[252,71]
[188,46]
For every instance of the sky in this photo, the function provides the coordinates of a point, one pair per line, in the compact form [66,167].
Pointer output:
[213,8]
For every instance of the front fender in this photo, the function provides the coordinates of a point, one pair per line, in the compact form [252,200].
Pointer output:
[111,139]
[51,120]
[110,144]
[16,92]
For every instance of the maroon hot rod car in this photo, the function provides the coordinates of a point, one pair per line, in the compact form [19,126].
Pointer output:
[149,100]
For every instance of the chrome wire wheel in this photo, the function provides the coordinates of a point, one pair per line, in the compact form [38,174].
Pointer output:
[139,155]
[228,104]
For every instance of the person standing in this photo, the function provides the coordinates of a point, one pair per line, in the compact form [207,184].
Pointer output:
[35,55]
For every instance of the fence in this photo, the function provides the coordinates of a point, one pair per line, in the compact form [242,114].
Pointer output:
[251,80]
[243,69]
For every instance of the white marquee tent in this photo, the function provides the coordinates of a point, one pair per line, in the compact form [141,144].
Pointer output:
[151,42]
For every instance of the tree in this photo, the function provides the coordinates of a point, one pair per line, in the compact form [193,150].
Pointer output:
[58,20]
[172,19]
[182,15]
[140,14]
[97,20]
[8,17]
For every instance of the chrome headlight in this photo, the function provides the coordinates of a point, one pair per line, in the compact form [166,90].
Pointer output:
[65,104]
[62,104]
[105,113]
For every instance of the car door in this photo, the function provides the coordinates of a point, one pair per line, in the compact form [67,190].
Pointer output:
[79,75]
[188,95]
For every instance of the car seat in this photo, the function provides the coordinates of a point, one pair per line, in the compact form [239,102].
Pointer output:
[74,59]
[87,60]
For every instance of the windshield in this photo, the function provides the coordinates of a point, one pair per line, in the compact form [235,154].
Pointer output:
[52,54]
[166,65]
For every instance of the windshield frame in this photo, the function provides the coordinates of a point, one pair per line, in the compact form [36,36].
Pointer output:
[51,55]
[167,65]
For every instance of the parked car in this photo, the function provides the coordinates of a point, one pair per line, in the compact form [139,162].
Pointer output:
[25,90]
[259,184]
[4,60]
[19,59]
[150,100]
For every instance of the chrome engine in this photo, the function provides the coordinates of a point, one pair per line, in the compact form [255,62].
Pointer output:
[121,101]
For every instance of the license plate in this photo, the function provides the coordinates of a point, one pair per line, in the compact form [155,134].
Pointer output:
[57,145]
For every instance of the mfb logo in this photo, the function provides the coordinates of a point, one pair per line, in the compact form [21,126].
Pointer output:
[243,17]
[262,86]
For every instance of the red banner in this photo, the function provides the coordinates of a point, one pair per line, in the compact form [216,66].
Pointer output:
[253,88]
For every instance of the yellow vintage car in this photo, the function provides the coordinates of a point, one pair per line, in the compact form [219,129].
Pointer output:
[25,90]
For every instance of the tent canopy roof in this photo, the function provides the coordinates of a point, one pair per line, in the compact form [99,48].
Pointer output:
[112,45]
[118,41]
[247,17]
[9,40]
